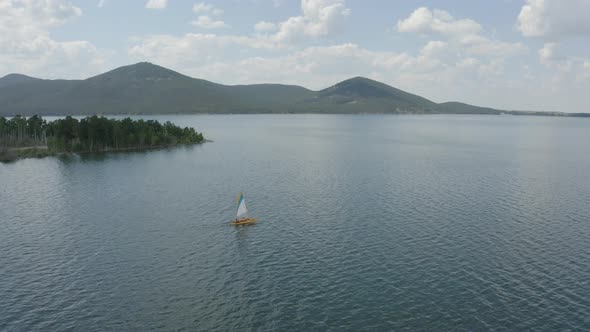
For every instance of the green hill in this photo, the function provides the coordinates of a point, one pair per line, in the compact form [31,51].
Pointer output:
[14,79]
[145,88]
[363,95]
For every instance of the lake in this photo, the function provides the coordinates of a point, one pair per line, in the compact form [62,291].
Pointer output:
[366,223]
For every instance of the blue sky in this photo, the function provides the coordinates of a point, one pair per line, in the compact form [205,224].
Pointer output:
[511,54]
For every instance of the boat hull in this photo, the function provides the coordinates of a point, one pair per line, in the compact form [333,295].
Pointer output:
[245,221]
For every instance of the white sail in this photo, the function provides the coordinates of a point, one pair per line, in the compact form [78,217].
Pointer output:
[242,211]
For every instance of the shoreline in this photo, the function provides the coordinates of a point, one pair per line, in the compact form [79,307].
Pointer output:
[8,155]
[503,113]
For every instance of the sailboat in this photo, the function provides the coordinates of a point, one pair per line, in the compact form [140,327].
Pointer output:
[242,213]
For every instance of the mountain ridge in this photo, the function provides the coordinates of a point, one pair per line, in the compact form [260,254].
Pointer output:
[15,78]
[146,88]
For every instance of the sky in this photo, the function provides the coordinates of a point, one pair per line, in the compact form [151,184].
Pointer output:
[508,54]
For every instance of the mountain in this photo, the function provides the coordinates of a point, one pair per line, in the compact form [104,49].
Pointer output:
[12,79]
[363,95]
[360,88]
[145,88]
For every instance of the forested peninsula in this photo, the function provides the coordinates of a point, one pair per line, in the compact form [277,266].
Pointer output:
[22,137]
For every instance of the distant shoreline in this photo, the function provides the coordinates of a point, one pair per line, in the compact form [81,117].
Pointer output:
[504,113]
[13,154]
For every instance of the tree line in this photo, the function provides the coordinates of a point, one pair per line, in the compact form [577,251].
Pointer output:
[21,132]
[92,134]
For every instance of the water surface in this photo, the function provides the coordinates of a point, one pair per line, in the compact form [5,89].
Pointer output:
[366,223]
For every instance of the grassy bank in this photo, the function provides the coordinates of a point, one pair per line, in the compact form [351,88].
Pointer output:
[11,154]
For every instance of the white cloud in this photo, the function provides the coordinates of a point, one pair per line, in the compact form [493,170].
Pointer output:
[263,26]
[26,45]
[555,19]
[320,18]
[548,54]
[554,22]
[194,49]
[38,13]
[101,3]
[440,51]
[205,8]
[488,47]
[531,18]
[206,22]
[586,70]
[428,22]
[464,35]
[564,68]
[156,4]
[434,47]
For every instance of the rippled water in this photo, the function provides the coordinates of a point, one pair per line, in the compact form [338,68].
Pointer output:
[366,223]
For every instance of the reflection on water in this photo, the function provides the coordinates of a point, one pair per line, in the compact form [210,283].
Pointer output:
[100,156]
